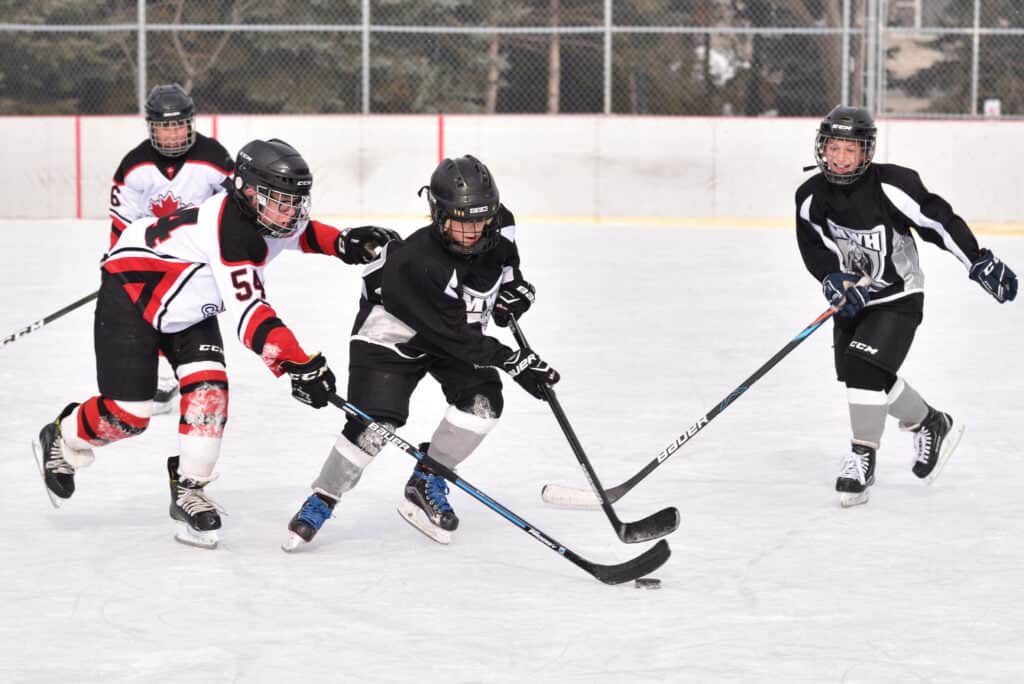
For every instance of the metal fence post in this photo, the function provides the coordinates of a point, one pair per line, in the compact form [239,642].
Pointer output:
[366,56]
[871,30]
[975,56]
[608,56]
[141,56]
[845,93]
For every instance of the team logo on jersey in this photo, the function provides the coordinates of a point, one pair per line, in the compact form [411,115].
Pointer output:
[479,304]
[211,310]
[863,251]
[165,204]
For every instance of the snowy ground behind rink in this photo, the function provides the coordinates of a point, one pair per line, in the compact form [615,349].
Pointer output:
[770,581]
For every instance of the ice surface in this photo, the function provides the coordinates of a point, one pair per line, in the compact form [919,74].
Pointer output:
[770,580]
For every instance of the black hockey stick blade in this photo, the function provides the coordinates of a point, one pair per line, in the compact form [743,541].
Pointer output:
[642,565]
[654,526]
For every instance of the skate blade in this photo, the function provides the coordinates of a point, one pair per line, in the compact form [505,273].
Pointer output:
[948,447]
[292,543]
[201,539]
[412,514]
[37,454]
[850,499]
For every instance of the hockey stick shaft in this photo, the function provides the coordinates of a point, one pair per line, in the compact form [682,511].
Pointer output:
[32,327]
[618,491]
[657,525]
[644,564]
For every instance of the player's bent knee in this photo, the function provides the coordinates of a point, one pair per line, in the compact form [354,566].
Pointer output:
[204,399]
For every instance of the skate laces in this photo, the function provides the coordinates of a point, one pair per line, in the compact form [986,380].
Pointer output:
[436,491]
[854,467]
[928,435]
[315,511]
[192,499]
[923,444]
[56,461]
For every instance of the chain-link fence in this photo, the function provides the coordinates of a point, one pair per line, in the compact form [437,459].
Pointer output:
[666,57]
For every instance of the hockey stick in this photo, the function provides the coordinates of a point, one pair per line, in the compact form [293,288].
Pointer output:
[572,497]
[644,564]
[49,319]
[653,526]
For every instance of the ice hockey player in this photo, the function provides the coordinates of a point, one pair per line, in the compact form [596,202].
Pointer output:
[163,283]
[853,220]
[175,167]
[425,307]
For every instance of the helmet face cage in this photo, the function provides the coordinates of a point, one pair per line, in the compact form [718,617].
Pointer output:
[848,124]
[173,150]
[294,207]
[463,190]
[443,213]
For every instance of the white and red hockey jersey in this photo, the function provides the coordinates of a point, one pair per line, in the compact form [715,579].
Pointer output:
[202,261]
[149,184]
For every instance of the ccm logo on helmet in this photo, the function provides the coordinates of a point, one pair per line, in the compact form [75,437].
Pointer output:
[304,182]
[478,210]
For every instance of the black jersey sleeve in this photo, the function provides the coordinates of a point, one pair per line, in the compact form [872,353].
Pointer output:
[931,215]
[424,295]
[819,253]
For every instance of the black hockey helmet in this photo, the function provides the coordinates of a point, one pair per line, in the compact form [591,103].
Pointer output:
[846,123]
[167,107]
[281,181]
[463,189]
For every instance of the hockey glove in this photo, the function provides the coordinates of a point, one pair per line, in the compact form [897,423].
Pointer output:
[360,245]
[514,299]
[530,372]
[845,296]
[995,276]
[312,381]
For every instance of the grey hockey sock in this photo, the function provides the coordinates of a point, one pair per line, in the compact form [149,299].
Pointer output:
[867,415]
[906,405]
[346,462]
[458,435]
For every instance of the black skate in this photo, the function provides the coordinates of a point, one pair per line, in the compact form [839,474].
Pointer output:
[58,474]
[934,442]
[163,400]
[197,514]
[857,475]
[426,504]
[307,522]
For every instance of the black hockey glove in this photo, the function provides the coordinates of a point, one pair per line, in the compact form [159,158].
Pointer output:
[529,371]
[514,299]
[360,245]
[845,296]
[312,381]
[995,276]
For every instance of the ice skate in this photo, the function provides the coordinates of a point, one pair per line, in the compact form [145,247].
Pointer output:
[197,514]
[857,475]
[426,504]
[304,525]
[935,439]
[51,454]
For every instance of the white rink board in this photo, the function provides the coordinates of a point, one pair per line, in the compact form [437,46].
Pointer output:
[578,167]
[770,581]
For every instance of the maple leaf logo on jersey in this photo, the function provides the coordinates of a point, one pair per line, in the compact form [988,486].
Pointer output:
[165,204]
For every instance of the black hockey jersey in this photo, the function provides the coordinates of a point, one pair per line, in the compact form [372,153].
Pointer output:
[420,298]
[864,228]
[147,183]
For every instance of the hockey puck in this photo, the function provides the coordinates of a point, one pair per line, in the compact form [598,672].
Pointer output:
[647,583]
